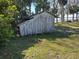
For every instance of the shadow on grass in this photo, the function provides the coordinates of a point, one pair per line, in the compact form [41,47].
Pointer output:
[15,47]
[68,29]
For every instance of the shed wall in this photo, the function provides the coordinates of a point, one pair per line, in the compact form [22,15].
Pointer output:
[40,24]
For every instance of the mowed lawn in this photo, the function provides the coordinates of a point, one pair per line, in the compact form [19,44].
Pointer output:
[60,44]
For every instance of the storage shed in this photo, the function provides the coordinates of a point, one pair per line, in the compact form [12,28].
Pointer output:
[40,23]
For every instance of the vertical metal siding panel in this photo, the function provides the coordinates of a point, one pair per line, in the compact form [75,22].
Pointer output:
[24,29]
[41,23]
[32,28]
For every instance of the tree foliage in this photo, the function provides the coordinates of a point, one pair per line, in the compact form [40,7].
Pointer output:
[42,4]
[74,9]
[63,2]
[3,6]
[7,10]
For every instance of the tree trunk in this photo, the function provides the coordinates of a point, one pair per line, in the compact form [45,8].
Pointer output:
[73,17]
[30,9]
[62,13]
[77,16]
[67,16]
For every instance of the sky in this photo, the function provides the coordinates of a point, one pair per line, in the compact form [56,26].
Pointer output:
[33,8]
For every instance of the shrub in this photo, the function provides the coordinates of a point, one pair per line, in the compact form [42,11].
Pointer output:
[5,30]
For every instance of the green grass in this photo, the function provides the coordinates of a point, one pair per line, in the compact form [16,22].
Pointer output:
[55,45]
[69,24]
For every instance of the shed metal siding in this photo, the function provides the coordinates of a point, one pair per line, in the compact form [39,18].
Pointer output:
[41,23]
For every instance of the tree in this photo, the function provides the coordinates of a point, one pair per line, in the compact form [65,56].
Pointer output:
[37,9]
[23,4]
[7,10]
[29,2]
[74,9]
[3,6]
[62,3]
[42,5]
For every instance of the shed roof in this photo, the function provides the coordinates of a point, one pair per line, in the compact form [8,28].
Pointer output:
[33,17]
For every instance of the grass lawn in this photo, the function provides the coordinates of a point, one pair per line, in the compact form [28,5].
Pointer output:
[60,44]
